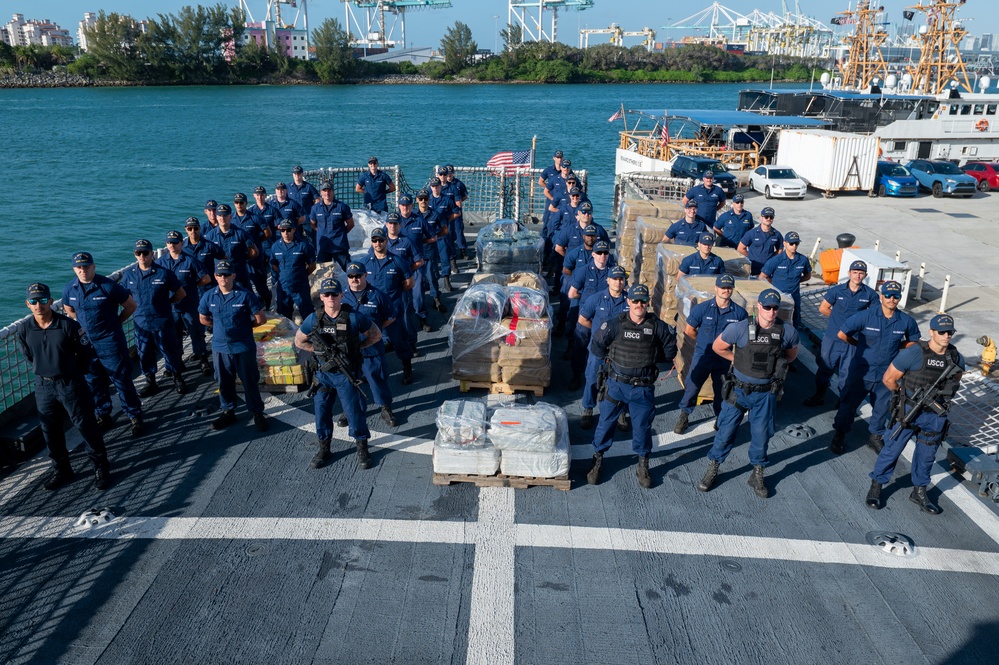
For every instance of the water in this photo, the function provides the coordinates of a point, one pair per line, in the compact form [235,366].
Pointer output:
[95,169]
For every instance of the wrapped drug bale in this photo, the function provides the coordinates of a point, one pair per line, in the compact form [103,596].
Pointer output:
[482,461]
[523,428]
[525,351]
[526,303]
[489,278]
[461,423]
[277,355]
[365,221]
[649,233]
[505,246]
[528,279]
[523,375]
[747,293]
[662,301]
[632,209]
[474,332]
[690,291]
[669,209]
[736,264]
[550,460]
[624,244]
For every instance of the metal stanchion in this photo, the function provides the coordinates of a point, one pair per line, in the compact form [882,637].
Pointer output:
[919,281]
[943,298]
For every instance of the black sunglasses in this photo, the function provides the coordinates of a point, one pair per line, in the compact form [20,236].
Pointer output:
[374,240]
[39,301]
[287,230]
[143,252]
[888,297]
[770,308]
[353,276]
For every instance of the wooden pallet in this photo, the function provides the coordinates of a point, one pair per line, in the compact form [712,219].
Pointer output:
[500,387]
[502,480]
[276,387]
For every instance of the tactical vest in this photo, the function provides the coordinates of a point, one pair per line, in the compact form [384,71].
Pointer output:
[931,366]
[340,336]
[758,359]
[635,348]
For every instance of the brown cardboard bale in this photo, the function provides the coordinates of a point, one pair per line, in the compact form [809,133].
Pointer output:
[476,372]
[669,209]
[527,279]
[747,292]
[736,264]
[534,333]
[489,278]
[523,354]
[631,209]
[650,230]
[529,376]
[485,354]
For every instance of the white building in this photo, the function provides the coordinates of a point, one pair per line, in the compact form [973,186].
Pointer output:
[89,19]
[18,32]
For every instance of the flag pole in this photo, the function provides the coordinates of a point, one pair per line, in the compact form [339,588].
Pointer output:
[534,144]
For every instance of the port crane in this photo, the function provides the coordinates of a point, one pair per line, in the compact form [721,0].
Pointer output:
[382,23]
[617,35]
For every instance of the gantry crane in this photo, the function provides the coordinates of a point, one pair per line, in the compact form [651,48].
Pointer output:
[381,20]
[529,16]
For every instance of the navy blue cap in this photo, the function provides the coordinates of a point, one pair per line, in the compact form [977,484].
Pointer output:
[738,198]
[940,322]
[708,174]
[423,194]
[558,153]
[326,185]
[224,267]
[285,224]
[449,167]
[143,245]
[767,212]
[174,236]
[39,290]
[435,182]
[566,163]
[891,288]
[618,272]
[331,286]
[192,221]
[858,265]
[586,206]
[239,198]
[223,209]
[571,178]
[590,230]
[405,200]
[574,191]
[639,292]
[706,239]
[393,218]
[81,259]
[769,297]
[372,160]
[792,238]
[690,204]
[601,246]
[210,204]
[356,269]
[280,185]
[378,232]
[441,170]
[298,169]
[725,281]
[259,189]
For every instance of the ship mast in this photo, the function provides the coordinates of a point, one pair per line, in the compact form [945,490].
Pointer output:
[940,60]
[864,61]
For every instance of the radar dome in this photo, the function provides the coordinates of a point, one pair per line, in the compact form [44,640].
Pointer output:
[825,78]
[907,78]
[984,83]
[891,81]
[923,29]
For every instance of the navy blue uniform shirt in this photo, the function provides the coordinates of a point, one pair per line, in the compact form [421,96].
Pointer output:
[96,306]
[232,318]
[152,290]
[708,201]
[682,233]
[709,320]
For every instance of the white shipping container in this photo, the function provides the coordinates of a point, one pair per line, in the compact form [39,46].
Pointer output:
[830,161]
[880,269]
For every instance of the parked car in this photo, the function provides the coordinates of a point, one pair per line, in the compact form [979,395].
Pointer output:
[986,173]
[692,167]
[778,181]
[893,179]
[942,177]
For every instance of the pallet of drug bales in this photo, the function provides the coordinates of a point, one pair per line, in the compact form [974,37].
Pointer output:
[502,480]
[498,387]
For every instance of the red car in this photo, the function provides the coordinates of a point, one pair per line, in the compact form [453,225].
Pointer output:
[986,173]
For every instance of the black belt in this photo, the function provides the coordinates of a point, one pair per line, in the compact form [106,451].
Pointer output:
[753,387]
[52,379]
[636,381]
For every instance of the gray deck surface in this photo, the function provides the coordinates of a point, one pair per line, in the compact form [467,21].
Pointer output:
[226,548]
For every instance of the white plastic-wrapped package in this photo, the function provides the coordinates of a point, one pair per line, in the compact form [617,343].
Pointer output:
[482,301]
[480,461]
[504,246]
[527,303]
[365,221]
[537,463]
[523,428]
[461,423]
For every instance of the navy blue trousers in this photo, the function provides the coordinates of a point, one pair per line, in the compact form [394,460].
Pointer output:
[56,398]
[640,403]
[760,407]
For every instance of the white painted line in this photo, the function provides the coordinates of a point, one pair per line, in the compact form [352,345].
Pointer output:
[491,620]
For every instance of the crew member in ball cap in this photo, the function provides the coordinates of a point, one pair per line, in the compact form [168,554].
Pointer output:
[392,276]
[444,207]
[706,321]
[586,282]
[709,197]
[338,335]
[301,190]
[878,333]
[631,345]
[839,303]
[332,220]
[234,312]
[192,276]
[757,347]
[596,309]
[375,184]
[732,224]
[934,364]
[787,271]
[288,208]
[704,261]
[239,249]
[292,260]
[102,306]
[575,259]
[59,355]
[761,243]
[457,190]
[688,230]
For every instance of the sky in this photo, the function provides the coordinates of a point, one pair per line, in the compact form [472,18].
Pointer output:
[425,27]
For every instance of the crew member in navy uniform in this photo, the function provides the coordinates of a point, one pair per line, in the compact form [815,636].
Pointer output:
[193,277]
[234,312]
[787,271]
[631,345]
[211,220]
[762,344]
[55,347]
[840,303]
[446,212]
[592,312]
[878,333]
[586,281]
[293,261]
[435,229]
[688,230]
[918,368]
[390,274]
[709,197]
[332,220]
[733,224]
[238,247]
[205,252]
[761,243]
[547,173]
[288,208]
[266,217]
[155,289]
[94,300]
[574,259]
[366,299]
[302,191]
[705,322]
[459,193]
[402,245]
[242,219]
[704,262]
[375,184]
[345,334]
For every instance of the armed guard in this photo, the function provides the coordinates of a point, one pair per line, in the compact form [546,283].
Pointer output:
[923,379]
[337,335]
[631,345]
[763,348]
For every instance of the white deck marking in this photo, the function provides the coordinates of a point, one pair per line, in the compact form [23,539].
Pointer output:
[491,620]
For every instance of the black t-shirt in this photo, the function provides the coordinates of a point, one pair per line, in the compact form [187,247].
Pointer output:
[54,352]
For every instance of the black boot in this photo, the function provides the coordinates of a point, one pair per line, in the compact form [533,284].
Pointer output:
[59,476]
[179,384]
[407,372]
[757,483]
[150,388]
[642,471]
[439,306]
[206,366]
[105,421]
[388,418]
[102,476]
[342,421]
[818,399]
[225,419]
[874,496]
[363,457]
[322,457]
[454,267]
[424,325]
[681,423]
[593,475]
[876,442]
[919,497]
[838,443]
[586,421]
[708,481]
[137,426]
[260,422]
[447,285]
[624,422]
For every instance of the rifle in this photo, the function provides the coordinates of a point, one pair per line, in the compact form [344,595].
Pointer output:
[602,382]
[335,363]
[780,374]
[923,398]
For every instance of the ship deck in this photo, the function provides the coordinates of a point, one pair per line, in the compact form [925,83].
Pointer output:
[225,547]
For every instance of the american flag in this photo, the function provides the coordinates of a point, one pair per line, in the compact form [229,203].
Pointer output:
[664,133]
[616,116]
[509,159]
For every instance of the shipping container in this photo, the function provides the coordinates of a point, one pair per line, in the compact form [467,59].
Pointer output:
[830,161]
